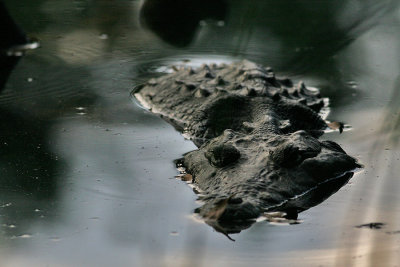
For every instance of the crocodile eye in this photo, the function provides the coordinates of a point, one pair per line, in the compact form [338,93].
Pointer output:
[221,155]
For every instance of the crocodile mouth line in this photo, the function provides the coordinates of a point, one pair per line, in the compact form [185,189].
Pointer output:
[346,176]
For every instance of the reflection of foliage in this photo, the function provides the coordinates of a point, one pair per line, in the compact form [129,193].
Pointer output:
[28,15]
[10,32]
[26,163]
[110,17]
[176,21]
[28,172]
[10,35]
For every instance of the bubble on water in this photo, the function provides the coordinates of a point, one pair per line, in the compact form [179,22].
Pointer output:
[19,50]
[221,23]
[25,236]
[22,236]
[9,226]
[81,110]
[352,84]
[6,205]
[103,36]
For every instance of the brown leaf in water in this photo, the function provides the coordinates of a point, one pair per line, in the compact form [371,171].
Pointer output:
[216,212]
[336,125]
[185,177]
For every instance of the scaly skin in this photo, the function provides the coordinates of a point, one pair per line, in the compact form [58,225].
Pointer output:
[257,136]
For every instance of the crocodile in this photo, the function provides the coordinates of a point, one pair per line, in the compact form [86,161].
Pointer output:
[257,138]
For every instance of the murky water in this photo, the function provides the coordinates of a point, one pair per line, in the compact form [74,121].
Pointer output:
[87,176]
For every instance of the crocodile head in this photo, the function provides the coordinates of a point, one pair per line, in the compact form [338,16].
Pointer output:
[252,174]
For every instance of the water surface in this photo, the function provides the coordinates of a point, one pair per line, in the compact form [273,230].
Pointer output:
[87,176]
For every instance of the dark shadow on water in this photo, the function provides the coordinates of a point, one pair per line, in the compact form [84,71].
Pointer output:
[10,35]
[177,21]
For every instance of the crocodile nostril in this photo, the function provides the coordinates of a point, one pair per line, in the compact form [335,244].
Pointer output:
[290,155]
[297,147]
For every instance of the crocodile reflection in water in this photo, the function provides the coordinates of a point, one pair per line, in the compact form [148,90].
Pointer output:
[257,137]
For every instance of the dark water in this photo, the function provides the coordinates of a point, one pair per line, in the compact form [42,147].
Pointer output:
[87,176]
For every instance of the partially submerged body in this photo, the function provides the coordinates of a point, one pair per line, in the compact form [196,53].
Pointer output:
[257,137]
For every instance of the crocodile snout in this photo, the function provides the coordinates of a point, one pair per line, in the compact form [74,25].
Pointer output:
[329,164]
